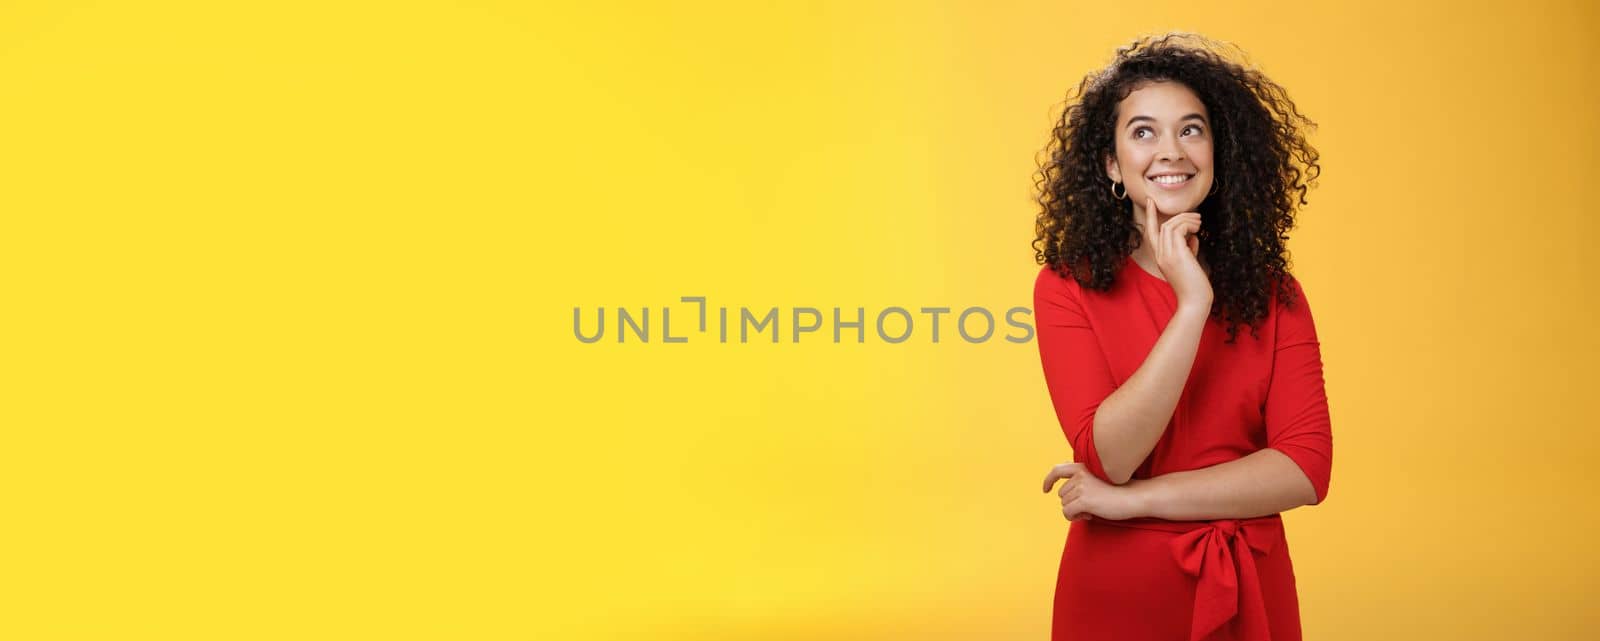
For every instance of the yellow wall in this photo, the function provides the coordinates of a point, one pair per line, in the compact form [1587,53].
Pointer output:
[288,292]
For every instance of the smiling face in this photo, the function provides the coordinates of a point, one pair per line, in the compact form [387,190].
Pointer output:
[1163,149]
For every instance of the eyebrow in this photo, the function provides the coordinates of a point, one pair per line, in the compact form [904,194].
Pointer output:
[1188,117]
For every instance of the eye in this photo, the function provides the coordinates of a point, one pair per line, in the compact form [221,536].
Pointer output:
[1197,129]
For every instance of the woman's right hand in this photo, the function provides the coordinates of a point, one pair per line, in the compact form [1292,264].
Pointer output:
[1176,250]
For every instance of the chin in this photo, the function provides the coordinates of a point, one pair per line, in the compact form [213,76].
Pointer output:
[1172,204]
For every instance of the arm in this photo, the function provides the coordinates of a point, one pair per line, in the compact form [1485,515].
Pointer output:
[1111,429]
[1295,467]
[1265,482]
[1132,419]
[1075,370]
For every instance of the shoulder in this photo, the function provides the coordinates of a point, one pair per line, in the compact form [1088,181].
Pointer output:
[1289,294]
[1292,312]
[1049,284]
[1048,278]
[1054,293]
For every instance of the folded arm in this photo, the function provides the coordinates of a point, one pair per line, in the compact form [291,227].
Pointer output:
[1111,428]
[1262,483]
[1132,419]
[1295,467]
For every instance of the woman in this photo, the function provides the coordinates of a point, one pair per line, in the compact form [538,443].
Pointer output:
[1167,193]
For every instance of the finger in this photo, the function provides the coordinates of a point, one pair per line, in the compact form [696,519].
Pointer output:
[1191,237]
[1165,245]
[1071,483]
[1181,219]
[1152,227]
[1148,227]
[1182,230]
[1064,470]
[1151,232]
[1051,478]
[1175,233]
[1166,238]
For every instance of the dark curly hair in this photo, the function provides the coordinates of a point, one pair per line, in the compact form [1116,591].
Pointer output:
[1263,164]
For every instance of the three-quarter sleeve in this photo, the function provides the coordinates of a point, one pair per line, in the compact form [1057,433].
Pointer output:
[1296,411]
[1075,368]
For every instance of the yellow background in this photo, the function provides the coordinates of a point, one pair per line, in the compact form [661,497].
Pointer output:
[288,295]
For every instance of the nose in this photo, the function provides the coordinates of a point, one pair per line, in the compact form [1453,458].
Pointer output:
[1169,150]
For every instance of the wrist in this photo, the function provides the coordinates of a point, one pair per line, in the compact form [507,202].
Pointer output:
[1141,496]
[1200,309]
[1146,497]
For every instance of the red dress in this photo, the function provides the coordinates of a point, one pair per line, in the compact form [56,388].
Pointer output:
[1154,579]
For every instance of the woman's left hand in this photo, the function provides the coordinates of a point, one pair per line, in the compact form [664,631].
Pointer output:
[1084,496]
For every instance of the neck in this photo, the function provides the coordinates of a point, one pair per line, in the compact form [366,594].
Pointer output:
[1146,256]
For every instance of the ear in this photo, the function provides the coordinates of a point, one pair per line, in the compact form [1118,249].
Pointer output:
[1113,171]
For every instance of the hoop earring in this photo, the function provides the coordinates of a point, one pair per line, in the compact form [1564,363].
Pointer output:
[1214,184]
[1124,195]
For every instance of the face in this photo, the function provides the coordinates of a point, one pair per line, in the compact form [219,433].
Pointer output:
[1162,130]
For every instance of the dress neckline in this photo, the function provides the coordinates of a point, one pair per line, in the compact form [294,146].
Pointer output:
[1151,276]
[1139,268]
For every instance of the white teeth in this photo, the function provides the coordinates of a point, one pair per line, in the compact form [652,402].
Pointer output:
[1170,180]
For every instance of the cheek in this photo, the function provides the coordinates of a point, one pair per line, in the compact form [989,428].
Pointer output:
[1132,160]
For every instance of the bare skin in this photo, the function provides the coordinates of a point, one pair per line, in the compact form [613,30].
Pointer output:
[1261,483]
[1132,419]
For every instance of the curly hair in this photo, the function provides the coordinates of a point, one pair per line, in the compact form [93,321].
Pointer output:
[1263,163]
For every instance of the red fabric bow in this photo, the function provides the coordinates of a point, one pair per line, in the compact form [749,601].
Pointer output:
[1220,554]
